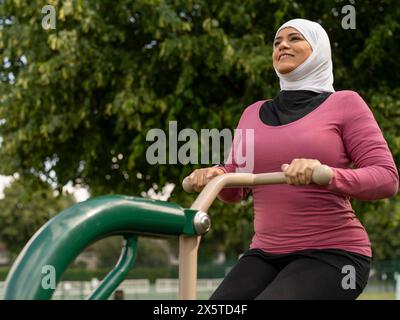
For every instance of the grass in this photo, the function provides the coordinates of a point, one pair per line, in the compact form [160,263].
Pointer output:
[377,296]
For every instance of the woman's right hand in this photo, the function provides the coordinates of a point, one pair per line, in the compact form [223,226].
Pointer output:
[200,177]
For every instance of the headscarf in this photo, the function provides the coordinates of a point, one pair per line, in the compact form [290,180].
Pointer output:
[315,73]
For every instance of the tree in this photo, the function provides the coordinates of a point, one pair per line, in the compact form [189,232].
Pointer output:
[150,252]
[78,101]
[27,205]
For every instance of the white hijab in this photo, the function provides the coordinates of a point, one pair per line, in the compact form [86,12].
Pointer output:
[315,73]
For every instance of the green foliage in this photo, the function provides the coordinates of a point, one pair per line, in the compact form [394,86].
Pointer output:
[27,205]
[108,251]
[85,94]
[150,253]
[137,272]
[151,273]
[382,221]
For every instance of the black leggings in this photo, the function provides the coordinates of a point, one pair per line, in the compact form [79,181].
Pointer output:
[298,277]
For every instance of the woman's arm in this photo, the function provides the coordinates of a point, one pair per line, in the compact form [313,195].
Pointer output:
[230,195]
[375,176]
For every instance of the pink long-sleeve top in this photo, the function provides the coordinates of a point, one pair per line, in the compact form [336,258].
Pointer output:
[341,133]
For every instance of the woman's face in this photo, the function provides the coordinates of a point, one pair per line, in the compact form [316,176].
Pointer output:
[290,50]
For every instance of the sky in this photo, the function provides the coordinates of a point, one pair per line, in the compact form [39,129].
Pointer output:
[80,194]
[4,182]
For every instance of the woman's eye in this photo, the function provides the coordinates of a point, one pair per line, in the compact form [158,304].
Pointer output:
[292,39]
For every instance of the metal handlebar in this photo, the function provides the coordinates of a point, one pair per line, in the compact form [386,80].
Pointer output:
[321,176]
[188,245]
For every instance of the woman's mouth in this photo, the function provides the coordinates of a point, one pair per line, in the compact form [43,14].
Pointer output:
[284,56]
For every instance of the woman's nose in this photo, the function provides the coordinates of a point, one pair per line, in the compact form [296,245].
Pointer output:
[283,45]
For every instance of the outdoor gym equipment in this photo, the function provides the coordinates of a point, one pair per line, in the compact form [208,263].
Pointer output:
[57,243]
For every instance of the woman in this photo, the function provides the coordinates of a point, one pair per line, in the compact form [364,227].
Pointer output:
[308,243]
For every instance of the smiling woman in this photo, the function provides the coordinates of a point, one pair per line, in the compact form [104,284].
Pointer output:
[290,50]
[308,242]
[302,57]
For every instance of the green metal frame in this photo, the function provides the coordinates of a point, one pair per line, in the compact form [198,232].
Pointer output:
[65,236]
[118,274]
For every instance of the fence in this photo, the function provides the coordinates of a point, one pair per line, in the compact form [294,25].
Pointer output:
[167,289]
[133,289]
[384,283]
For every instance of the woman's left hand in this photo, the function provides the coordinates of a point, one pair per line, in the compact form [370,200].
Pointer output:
[300,171]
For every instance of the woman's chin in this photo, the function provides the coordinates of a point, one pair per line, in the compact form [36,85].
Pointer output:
[285,69]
